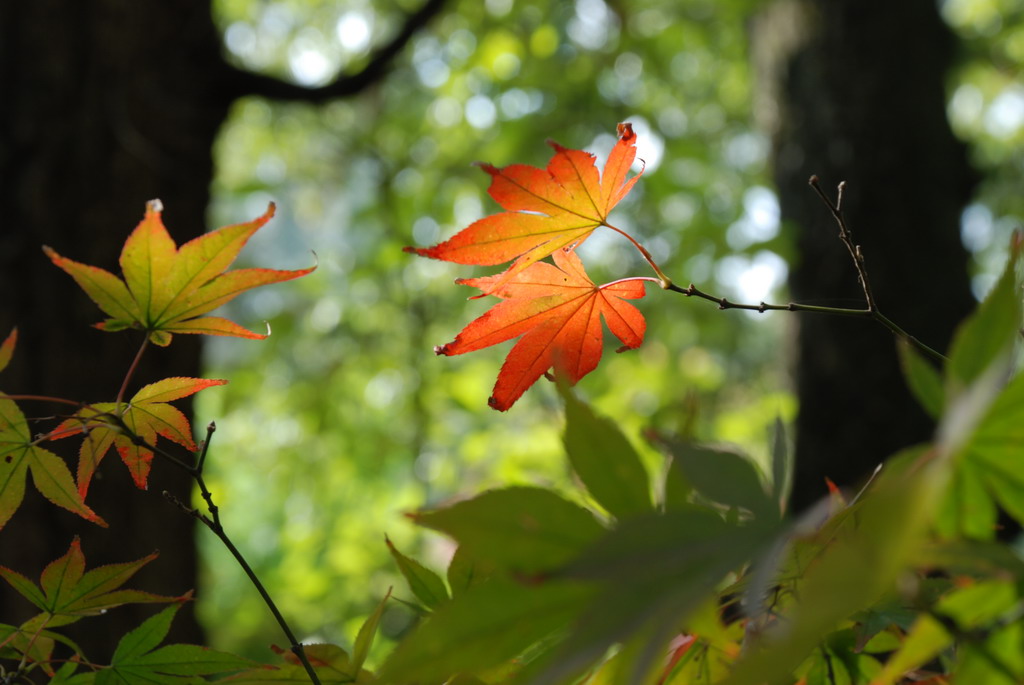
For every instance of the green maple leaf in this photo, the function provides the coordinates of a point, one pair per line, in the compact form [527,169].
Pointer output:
[138,659]
[145,416]
[167,289]
[66,591]
[20,455]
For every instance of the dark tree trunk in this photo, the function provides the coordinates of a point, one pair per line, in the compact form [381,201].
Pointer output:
[108,103]
[860,98]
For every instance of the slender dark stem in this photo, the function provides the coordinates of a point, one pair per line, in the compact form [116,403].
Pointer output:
[130,373]
[871,310]
[828,664]
[836,208]
[43,398]
[213,522]
[201,482]
[692,291]
[296,646]
[761,307]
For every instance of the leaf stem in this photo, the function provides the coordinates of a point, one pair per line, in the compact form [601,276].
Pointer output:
[663,280]
[43,398]
[131,372]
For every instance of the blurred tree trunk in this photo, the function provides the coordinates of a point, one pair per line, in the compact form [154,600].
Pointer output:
[855,92]
[109,104]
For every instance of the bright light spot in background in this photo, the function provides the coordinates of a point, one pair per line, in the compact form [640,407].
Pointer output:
[353,30]
[591,25]
[976,228]
[425,231]
[461,44]
[673,122]
[240,39]
[446,112]
[760,220]
[506,65]
[752,280]
[746,150]
[1005,114]
[677,210]
[650,147]
[309,66]
[383,388]
[467,207]
[325,315]
[966,106]
[499,8]
[516,103]
[431,69]
[628,66]
[480,111]
[433,72]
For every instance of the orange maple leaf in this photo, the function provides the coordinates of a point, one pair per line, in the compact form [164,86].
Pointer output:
[167,289]
[548,209]
[557,310]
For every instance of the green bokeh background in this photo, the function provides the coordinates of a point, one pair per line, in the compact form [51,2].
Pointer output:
[344,419]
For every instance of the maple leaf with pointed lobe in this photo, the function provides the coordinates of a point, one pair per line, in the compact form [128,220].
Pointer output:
[146,415]
[548,209]
[20,455]
[66,591]
[557,310]
[167,289]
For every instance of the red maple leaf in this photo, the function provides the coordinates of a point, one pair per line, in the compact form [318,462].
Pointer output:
[548,209]
[557,310]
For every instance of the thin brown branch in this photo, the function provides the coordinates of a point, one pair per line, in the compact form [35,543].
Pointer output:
[240,82]
[762,307]
[836,208]
[213,523]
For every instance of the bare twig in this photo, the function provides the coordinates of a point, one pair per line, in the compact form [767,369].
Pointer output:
[213,523]
[870,311]
[836,208]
